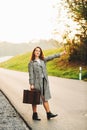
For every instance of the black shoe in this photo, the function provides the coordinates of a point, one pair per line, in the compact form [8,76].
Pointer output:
[35,116]
[50,115]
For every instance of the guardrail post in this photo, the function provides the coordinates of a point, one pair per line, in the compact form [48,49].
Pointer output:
[80,73]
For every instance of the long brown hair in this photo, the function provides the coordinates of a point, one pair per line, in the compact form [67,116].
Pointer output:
[41,54]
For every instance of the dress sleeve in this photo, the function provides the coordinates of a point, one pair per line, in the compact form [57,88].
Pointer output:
[31,74]
[51,57]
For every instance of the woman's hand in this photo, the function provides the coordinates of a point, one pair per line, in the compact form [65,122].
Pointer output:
[31,87]
[63,53]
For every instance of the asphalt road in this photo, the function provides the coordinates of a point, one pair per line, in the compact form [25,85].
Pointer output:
[69,101]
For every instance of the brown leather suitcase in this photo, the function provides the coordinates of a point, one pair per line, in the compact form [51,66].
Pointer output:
[31,96]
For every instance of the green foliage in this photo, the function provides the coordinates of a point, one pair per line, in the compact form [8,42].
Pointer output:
[78,46]
[77,51]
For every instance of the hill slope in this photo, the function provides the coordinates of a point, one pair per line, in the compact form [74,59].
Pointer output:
[58,67]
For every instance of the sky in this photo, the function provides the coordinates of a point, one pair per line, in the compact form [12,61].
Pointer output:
[26,20]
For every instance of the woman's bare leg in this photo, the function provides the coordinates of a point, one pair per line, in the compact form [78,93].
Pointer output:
[46,106]
[34,108]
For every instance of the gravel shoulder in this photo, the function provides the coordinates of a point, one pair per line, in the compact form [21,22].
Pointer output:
[9,118]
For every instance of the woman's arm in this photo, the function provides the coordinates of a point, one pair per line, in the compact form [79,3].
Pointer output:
[51,57]
[31,75]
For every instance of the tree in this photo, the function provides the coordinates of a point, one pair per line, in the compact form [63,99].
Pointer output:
[79,43]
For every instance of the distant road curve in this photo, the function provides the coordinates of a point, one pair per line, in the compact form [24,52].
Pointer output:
[5,58]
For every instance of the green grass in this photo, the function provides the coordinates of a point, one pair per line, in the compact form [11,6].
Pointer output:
[59,67]
[18,63]
[62,71]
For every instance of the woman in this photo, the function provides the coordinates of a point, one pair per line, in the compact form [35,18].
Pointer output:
[38,79]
